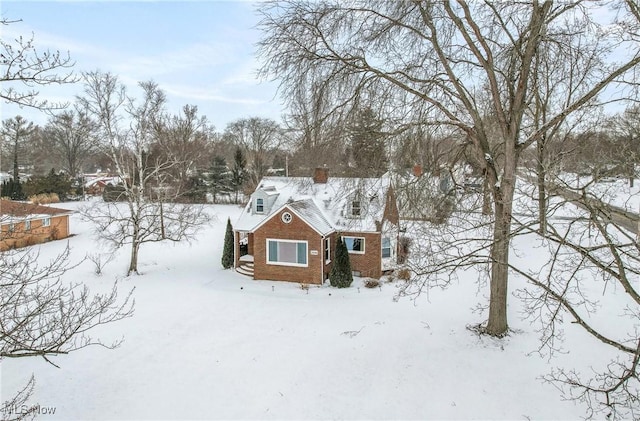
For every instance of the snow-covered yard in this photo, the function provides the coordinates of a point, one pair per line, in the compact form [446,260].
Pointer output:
[205,343]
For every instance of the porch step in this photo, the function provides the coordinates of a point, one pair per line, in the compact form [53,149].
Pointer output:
[245,269]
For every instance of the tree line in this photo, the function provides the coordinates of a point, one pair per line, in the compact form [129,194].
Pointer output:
[499,86]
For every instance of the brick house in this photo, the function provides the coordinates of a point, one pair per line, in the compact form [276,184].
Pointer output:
[289,228]
[24,224]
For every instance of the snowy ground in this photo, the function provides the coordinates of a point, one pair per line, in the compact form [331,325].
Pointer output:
[615,191]
[206,343]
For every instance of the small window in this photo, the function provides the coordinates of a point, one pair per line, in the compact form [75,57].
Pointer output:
[386,247]
[287,252]
[12,227]
[286,218]
[354,244]
[27,225]
[259,205]
[355,208]
[327,250]
[46,222]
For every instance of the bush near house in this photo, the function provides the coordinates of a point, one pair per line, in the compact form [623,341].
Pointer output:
[227,252]
[340,275]
[114,193]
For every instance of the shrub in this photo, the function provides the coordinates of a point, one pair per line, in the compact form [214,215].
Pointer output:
[227,252]
[404,274]
[114,193]
[340,275]
[371,283]
[51,183]
[44,198]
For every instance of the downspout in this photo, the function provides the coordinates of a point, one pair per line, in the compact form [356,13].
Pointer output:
[321,254]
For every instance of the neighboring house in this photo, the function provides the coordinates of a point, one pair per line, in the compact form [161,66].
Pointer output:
[96,186]
[24,224]
[289,228]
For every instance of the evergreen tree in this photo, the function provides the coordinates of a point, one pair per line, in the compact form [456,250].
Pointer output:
[340,275]
[15,133]
[238,172]
[227,251]
[12,190]
[368,144]
[51,183]
[195,189]
[219,177]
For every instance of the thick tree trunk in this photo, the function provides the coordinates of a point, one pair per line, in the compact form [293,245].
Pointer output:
[133,263]
[503,192]
[497,323]
[135,246]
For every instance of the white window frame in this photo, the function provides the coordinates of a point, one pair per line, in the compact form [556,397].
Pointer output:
[46,222]
[12,226]
[364,244]
[27,225]
[327,250]
[382,248]
[259,199]
[277,263]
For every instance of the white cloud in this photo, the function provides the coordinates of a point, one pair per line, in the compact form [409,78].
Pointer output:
[195,56]
[207,94]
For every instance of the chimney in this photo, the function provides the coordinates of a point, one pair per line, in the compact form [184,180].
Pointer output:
[321,175]
[417,170]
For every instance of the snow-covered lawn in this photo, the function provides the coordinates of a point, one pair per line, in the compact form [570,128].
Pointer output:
[205,343]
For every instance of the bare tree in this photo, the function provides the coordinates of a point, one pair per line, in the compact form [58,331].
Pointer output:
[259,137]
[70,133]
[434,58]
[23,65]
[39,314]
[626,128]
[317,136]
[594,262]
[127,132]
[42,316]
[186,137]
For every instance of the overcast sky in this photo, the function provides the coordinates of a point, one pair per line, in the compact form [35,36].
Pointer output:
[199,52]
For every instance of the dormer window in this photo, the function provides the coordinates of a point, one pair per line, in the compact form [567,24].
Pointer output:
[355,208]
[259,205]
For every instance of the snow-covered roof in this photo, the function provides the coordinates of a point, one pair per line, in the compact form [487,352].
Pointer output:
[326,206]
[11,211]
[103,181]
[308,211]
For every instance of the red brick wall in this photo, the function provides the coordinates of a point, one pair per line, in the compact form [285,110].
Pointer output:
[274,228]
[369,263]
[250,243]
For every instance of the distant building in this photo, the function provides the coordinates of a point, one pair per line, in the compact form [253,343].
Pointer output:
[25,224]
